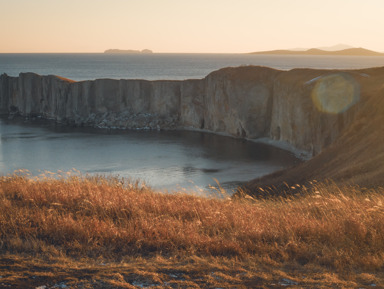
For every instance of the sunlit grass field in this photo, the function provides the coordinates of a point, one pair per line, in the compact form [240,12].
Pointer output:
[105,232]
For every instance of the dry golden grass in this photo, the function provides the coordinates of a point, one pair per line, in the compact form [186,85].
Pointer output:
[328,236]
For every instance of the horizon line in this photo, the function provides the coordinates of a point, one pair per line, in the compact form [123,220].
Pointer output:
[172,52]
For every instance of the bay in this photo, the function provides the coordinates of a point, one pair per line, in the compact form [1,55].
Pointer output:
[165,160]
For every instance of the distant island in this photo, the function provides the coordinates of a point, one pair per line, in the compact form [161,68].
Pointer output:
[121,51]
[317,51]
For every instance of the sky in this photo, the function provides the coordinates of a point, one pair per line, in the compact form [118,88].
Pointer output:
[188,26]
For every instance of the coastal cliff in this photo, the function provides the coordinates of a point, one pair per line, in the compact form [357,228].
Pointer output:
[307,109]
[248,102]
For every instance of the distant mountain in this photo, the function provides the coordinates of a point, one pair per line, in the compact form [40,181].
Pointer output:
[326,48]
[316,51]
[120,51]
[335,47]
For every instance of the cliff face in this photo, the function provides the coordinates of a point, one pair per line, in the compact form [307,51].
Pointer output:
[238,101]
[350,143]
[249,102]
[311,108]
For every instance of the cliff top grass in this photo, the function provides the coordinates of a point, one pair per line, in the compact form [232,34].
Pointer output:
[97,232]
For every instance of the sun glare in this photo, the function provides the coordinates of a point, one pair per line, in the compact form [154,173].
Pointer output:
[335,93]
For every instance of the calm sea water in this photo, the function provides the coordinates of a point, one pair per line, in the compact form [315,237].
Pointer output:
[165,160]
[165,66]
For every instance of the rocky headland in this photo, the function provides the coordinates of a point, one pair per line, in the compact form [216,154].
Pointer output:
[334,117]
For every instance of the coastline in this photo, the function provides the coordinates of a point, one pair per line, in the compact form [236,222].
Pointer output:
[255,103]
[193,171]
[300,154]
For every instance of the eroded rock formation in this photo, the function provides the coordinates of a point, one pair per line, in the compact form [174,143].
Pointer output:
[249,102]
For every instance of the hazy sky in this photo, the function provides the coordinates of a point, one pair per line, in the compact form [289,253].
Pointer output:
[188,25]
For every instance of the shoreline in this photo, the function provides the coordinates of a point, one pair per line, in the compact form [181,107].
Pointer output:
[299,154]
[302,155]
[230,185]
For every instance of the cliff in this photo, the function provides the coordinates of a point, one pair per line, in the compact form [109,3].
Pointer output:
[311,110]
[354,156]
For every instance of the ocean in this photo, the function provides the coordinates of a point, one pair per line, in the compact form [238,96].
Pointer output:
[165,66]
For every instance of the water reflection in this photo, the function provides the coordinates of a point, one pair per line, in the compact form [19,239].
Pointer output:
[166,160]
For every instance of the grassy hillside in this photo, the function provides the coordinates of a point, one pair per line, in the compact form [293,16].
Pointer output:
[108,233]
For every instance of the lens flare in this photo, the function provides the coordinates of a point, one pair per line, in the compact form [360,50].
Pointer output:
[335,93]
